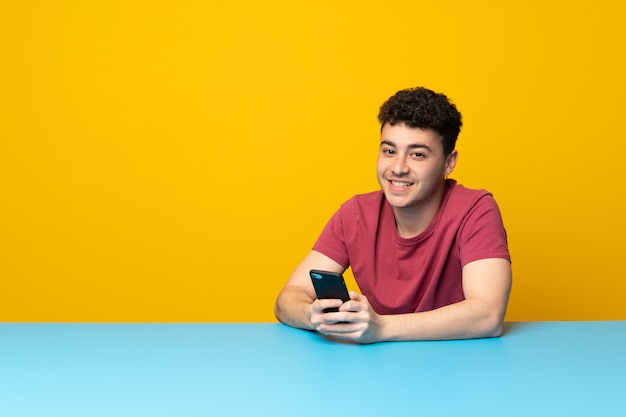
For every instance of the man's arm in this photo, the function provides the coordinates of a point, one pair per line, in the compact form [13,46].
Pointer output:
[297,304]
[486,285]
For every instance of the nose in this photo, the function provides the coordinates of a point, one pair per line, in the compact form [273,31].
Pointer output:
[399,167]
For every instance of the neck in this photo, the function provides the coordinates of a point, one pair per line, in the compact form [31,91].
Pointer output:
[411,221]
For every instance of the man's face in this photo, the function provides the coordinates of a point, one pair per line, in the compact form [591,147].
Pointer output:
[412,166]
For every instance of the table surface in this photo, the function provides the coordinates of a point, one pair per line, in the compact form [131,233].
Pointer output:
[535,369]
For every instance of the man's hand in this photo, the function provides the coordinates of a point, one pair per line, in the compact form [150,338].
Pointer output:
[356,320]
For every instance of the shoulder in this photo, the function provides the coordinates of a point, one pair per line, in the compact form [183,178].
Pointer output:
[463,193]
[480,231]
[464,205]
[461,198]
[364,202]
[361,210]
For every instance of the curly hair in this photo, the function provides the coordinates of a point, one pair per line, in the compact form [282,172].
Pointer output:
[423,108]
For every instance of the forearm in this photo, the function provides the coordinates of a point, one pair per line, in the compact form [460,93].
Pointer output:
[293,307]
[467,319]
[486,285]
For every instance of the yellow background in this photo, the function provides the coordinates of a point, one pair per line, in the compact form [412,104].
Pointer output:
[173,161]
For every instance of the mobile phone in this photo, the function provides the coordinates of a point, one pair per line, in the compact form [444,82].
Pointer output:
[329,285]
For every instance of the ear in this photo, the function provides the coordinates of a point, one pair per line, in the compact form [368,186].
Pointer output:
[451,162]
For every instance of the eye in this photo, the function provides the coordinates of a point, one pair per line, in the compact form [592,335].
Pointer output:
[388,151]
[418,155]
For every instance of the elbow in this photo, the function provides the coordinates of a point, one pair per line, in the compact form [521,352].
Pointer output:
[488,323]
[490,320]
[493,326]
[497,331]
[278,311]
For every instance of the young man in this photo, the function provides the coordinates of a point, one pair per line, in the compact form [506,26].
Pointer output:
[429,255]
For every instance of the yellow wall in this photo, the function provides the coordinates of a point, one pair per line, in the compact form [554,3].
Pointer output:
[168,161]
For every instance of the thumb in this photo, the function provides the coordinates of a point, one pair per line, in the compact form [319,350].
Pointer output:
[357,297]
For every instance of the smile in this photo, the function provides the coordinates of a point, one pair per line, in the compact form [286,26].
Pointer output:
[400,184]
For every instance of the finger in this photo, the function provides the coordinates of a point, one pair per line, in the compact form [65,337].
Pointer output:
[343,330]
[323,304]
[355,306]
[346,317]
[337,328]
[358,297]
[334,317]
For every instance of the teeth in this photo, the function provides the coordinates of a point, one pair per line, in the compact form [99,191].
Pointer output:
[400,184]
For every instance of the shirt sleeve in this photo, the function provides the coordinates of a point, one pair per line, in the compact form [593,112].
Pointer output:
[482,234]
[332,242]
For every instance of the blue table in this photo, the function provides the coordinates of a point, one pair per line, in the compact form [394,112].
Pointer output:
[536,369]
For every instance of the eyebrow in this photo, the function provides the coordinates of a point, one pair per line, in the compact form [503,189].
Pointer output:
[411,146]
